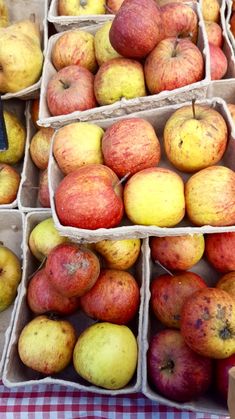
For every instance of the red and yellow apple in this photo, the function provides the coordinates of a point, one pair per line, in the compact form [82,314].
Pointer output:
[118,254]
[9,184]
[103,48]
[40,147]
[218,62]
[214,33]
[112,6]
[227,283]
[43,191]
[179,20]
[220,251]
[10,276]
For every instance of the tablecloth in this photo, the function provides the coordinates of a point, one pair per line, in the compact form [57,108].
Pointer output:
[56,402]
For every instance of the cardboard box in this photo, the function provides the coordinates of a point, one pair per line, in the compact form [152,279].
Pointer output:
[63,23]
[17,374]
[157,118]
[24,9]
[11,235]
[124,106]
[209,403]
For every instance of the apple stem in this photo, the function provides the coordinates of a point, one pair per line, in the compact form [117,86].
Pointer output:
[175,46]
[32,17]
[40,267]
[168,366]
[123,179]
[83,3]
[65,85]
[163,267]
[193,108]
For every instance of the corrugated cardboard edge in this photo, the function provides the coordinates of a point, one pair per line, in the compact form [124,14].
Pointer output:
[131,231]
[231,393]
[125,106]
[21,220]
[20,306]
[32,92]
[228,15]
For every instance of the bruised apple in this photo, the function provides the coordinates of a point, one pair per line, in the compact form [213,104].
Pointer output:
[90,197]
[118,254]
[220,251]
[227,283]
[114,298]
[177,253]
[168,294]
[72,269]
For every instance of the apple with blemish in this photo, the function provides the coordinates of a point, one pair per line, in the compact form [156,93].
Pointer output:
[227,283]
[220,251]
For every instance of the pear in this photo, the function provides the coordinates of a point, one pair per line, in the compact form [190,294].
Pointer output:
[4,17]
[29,28]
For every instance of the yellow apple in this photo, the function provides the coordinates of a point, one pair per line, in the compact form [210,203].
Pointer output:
[78,144]
[47,345]
[74,47]
[10,276]
[43,238]
[210,10]
[40,147]
[106,355]
[195,137]
[4,16]
[103,48]
[9,184]
[16,135]
[118,78]
[209,197]
[119,254]
[155,196]
[81,7]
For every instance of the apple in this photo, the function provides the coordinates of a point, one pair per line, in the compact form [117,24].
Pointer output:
[208,323]
[43,298]
[227,283]
[232,24]
[175,370]
[173,63]
[9,184]
[75,47]
[155,196]
[233,5]
[106,355]
[17,41]
[177,253]
[10,276]
[40,147]
[43,191]
[130,145]
[168,294]
[214,33]
[46,345]
[179,20]
[72,269]
[118,254]
[124,76]
[43,238]
[81,7]
[16,135]
[114,298]
[103,48]
[76,145]
[195,137]
[231,108]
[163,2]
[4,14]
[219,251]
[209,197]
[218,62]
[112,6]
[222,367]
[90,197]
[210,10]
[132,40]
[70,90]
[34,110]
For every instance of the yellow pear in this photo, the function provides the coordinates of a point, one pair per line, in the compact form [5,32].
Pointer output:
[4,17]
[16,135]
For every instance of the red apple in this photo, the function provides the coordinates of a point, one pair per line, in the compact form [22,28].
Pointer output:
[72,269]
[90,197]
[136,28]
[173,63]
[43,298]
[175,370]
[112,6]
[179,20]
[177,253]
[69,90]
[208,323]
[114,298]
[168,294]
[227,283]
[130,145]
[218,62]
[220,251]
[214,33]
[40,147]
[34,112]
[222,367]
[43,192]
[9,184]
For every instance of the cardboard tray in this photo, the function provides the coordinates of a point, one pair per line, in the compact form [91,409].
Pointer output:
[11,234]
[231,393]
[17,107]
[28,190]
[208,404]
[23,9]
[157,118]
[228,16]
[17,374]
[63,23]
[124,106]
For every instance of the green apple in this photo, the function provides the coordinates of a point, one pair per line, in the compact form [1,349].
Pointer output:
[10,276]
[103,48]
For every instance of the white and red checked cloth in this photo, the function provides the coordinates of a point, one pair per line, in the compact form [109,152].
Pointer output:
[56,402]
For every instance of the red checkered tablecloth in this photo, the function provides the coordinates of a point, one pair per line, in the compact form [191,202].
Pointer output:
[56,402]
